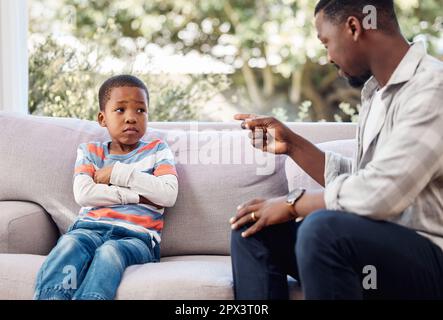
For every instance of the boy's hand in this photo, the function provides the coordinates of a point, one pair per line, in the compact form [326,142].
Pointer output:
[103,175]
[147,201]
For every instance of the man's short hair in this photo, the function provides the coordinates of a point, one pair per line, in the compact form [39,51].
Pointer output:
[339,10]
[124,80]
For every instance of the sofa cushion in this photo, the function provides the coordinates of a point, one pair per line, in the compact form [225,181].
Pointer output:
[38,157]
[26,228]
[187,277]
[217,171]
[298,178]
[184,278]
[181,277]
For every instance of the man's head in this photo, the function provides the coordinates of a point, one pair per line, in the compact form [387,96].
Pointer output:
[345,27]
[124,102]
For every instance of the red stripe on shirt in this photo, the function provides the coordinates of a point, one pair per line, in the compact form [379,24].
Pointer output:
[98,151]
[144,221]
[85,168]
[150,146]
[164,169]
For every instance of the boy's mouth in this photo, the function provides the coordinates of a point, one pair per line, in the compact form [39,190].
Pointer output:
[131,129]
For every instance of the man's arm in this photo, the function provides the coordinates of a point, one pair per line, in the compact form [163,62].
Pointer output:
[323,167]
[404,164]
[311,201]
[308,157]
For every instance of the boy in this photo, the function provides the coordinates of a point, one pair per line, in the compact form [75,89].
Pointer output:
[122,186]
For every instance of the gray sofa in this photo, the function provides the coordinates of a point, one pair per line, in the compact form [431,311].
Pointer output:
[217,168]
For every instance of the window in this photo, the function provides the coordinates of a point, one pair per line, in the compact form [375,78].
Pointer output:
[13,56]
[201,60]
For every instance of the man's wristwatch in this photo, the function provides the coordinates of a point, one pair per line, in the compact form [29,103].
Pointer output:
[293,196]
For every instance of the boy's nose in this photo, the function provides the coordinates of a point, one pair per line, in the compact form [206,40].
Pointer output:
[130,120]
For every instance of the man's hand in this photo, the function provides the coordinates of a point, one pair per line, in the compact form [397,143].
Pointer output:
[268,133]
[103,175]
[262,213]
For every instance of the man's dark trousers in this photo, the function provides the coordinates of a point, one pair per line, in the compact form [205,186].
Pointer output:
[337,255]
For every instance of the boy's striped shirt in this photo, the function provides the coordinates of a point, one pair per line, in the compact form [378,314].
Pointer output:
[150,157]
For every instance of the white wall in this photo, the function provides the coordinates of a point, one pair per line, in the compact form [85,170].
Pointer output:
[13,56]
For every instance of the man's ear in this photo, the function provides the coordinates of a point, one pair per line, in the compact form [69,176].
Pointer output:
[101,119]
[354,28]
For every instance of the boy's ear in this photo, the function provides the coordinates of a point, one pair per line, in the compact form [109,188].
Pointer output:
[101,119]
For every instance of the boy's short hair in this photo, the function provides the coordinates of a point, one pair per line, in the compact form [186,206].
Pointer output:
[123,80]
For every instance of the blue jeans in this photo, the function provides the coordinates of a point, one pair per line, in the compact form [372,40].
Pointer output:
[337,255]
[88,261]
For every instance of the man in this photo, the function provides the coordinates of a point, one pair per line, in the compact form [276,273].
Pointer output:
[381,214]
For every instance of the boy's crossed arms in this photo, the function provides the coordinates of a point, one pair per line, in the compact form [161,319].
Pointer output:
[122,184]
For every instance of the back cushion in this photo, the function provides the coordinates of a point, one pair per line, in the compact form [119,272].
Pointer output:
[37,161]
[218,170]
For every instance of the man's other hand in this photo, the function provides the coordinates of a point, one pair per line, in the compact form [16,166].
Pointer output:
[262,213]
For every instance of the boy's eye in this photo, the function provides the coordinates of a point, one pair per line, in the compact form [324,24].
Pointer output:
[121,109]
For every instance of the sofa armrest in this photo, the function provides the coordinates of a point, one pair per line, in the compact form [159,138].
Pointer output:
[25,227]
[298,178]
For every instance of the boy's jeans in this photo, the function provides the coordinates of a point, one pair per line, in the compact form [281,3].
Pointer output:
[89,260]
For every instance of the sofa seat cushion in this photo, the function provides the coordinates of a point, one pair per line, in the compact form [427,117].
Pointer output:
[174,278]
[184,278]
[179,277]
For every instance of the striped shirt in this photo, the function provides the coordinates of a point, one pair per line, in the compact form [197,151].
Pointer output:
[148,171]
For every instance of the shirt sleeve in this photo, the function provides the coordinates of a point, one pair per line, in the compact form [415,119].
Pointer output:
[402,167]
[336,165]
[87,193]
[164,161]
[160,187]
[83,164]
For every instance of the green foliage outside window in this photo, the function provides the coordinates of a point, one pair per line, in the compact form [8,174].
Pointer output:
[279,66]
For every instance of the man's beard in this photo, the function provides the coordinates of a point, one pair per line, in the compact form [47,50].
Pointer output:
[357,82]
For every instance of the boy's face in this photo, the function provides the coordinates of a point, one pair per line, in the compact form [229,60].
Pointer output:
[125,115]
